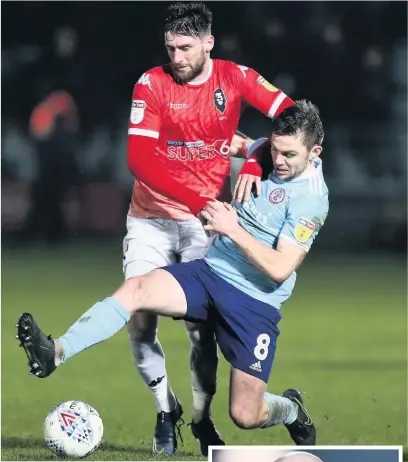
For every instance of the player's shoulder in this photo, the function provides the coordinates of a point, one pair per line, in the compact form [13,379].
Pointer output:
[230,67]
[313,201]
[311,195]
[155,75]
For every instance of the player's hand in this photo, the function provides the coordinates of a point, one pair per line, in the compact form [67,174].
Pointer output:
[239,146]
[244,185]
[221,218]
[205,201]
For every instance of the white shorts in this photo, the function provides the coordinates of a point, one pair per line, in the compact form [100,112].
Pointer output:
[155,242]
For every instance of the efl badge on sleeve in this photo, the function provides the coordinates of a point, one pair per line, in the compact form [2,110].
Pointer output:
[304,229]
[137,112]
[266,84]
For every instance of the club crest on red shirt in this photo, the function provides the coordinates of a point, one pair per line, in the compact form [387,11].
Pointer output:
[220,100]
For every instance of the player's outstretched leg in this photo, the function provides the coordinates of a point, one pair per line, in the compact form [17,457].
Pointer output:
[39,348]
[203,365]
[102,320]
[302,430]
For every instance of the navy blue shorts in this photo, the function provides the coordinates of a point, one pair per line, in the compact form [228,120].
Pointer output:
[246,329]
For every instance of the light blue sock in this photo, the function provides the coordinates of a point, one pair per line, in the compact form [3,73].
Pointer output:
[281,410]
[99,323]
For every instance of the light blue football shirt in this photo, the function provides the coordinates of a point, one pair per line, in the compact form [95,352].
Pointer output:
[293,210]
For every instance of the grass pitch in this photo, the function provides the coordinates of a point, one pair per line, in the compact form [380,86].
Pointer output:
[343,341]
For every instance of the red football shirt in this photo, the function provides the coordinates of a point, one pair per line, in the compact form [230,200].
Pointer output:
[194,124]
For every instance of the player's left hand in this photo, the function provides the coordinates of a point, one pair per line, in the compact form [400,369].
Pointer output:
[243,187]
[221,218]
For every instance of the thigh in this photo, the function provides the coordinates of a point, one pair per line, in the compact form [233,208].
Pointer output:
[156,293]
[193,241]
[246,331]
[175,291]
[149,244]
[190,277]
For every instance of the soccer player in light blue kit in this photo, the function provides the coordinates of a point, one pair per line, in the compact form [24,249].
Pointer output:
[248,273]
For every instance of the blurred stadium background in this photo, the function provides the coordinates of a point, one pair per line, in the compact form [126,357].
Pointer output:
[68,70]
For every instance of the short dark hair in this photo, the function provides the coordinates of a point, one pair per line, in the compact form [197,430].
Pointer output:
[300,119]
[188,18]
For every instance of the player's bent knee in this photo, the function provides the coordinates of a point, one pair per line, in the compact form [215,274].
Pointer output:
[132,294]
[243,417]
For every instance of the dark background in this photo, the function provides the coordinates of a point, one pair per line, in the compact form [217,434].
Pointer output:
[347,57]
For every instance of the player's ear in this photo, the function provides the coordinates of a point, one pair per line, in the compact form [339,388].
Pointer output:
[315,152]
[209,43]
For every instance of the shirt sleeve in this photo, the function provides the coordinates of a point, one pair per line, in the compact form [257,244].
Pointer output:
[255,145]
[145,112]
[261,94]
[305,217]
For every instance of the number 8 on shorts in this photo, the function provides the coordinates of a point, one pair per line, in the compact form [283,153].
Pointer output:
[262,344]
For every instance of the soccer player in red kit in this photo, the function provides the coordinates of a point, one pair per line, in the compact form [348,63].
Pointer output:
[182,123]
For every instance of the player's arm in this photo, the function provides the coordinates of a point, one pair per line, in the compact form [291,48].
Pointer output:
[239,146]
[305,217]
[251,172]
[304,220]
[277,264]
[262,95]
[144,131]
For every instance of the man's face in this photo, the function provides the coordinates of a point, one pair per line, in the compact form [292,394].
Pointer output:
[187,56]
[290,156]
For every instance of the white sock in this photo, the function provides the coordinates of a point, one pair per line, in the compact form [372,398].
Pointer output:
[151,365]
[163,395]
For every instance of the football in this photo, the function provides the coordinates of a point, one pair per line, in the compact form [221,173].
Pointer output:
[73,429]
